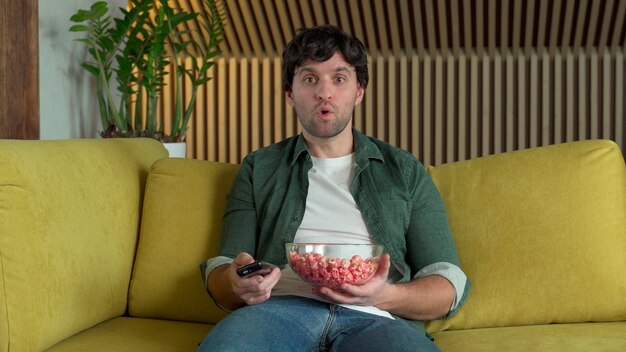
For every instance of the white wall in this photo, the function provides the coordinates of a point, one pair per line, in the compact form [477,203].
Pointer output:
[67,93]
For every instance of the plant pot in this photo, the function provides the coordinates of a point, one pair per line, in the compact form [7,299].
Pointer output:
[176,150]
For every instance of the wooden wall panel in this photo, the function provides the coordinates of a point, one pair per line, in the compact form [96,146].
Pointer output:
[441,109]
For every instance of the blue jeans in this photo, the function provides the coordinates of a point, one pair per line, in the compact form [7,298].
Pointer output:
[289,323]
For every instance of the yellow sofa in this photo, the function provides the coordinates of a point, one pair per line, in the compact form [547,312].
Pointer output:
[100,242]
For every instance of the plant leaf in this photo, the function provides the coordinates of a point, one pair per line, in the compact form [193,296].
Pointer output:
[79,28]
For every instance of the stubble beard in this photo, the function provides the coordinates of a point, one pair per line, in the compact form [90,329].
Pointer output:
[324,129]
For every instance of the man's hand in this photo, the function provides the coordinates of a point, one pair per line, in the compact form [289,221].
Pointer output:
[368,294]
[232,291]
[425,298]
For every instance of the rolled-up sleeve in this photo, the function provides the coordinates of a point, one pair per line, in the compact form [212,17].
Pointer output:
[452,273]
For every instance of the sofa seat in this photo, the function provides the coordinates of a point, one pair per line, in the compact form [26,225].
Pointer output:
[136,334]
[554,338]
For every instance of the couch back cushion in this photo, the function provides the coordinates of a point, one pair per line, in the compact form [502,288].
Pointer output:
[69,219]
[182,219]
[541,234]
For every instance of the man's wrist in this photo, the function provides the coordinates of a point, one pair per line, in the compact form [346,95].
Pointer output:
[220,289]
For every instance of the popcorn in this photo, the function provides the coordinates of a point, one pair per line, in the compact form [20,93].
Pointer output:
[332,272]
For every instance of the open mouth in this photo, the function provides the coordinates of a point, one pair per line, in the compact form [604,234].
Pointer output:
[325,112]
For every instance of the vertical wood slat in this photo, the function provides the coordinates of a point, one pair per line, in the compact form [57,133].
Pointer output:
[266,97]
[279,123]
[211,103]
[415,107]
[391,112]
[546,98]
[618,100]
[473,108]
[245,109]
[498,99]
[594,105]
[381,100]
[485,116]
[233,110]
[569,95]
[559,95]
[222,101]
[582,101]
[427,112]
[255,104]
[533,101]
[509,102]
[451,112]
[439,111]
[522,103]
[462,106]
[606,94]
[404,102]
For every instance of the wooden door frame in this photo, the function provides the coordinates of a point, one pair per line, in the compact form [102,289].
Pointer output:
[19,69]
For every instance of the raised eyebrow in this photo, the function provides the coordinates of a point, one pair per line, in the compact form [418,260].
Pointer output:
[310,70]
[303,69]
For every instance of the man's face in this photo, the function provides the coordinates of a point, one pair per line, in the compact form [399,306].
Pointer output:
[324,95]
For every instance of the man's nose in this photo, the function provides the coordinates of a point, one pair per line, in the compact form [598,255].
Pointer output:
[324,91]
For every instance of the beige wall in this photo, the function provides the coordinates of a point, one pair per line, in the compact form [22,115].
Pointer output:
[68,106]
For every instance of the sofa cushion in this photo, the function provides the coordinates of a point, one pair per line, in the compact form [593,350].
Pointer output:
[126,334]
[541,233]
[554,338]
[69,220]
[180,228]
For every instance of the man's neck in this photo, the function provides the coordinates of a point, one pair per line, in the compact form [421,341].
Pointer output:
[340,145]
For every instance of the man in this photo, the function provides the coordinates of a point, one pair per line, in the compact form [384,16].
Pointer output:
[332,184]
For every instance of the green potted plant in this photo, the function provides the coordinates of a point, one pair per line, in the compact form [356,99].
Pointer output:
[130,57]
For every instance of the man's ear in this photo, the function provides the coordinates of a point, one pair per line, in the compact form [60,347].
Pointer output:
[289,97]
[360,92]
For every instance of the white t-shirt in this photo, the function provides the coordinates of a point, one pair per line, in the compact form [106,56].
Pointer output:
[331,216]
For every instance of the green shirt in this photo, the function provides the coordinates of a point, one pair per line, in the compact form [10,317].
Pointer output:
[399,203]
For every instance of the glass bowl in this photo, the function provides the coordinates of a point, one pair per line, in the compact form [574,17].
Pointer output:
[333,264]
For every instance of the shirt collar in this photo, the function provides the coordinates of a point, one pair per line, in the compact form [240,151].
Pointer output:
[364,148]
[299,149]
